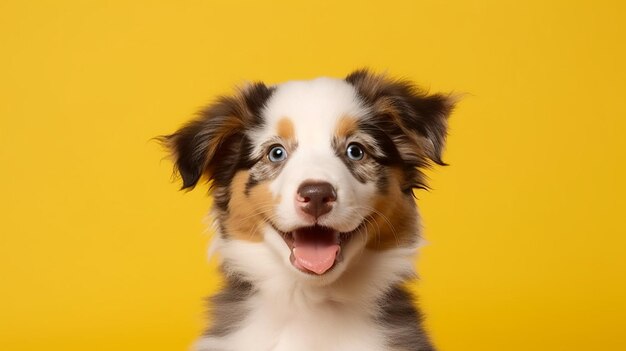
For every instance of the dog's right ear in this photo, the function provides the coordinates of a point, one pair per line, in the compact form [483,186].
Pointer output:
[421,117]
[211,145]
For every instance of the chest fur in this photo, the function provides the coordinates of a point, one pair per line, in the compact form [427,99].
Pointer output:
[266,309]
[305,323]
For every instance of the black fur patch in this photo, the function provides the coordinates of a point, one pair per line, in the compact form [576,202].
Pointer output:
[228,307]
[403,322]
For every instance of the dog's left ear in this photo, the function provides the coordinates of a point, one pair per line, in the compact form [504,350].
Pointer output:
[422,118]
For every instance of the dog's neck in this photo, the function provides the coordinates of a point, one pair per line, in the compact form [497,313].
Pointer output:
[368,277]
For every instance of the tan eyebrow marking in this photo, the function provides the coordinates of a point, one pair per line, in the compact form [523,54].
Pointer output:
[285,129]
[346,126]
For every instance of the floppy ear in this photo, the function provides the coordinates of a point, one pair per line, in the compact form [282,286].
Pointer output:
[422,118]
[212,145]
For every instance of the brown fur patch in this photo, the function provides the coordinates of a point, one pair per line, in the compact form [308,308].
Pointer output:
[394,222]
[346,126]
[285,129]
[247,214]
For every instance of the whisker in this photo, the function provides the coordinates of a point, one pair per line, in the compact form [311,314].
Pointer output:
[394,232]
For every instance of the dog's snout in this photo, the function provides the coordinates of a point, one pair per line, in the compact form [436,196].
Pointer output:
[316,198]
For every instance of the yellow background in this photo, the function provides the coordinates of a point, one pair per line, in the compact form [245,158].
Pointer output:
[99,251]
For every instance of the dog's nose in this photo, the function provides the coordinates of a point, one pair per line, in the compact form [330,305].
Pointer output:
[316,198]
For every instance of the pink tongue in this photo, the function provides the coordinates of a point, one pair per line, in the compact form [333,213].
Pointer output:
[317,259]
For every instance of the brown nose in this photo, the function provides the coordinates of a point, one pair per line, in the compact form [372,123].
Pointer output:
[316,198]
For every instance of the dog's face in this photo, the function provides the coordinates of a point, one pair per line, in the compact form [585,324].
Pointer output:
[314,172]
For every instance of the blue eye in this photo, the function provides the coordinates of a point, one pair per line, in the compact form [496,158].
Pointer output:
[277,153]
[355,152]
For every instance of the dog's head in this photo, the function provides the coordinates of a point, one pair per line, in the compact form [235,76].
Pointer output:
[308,174]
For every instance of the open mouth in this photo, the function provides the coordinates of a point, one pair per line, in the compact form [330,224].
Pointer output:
[315,249]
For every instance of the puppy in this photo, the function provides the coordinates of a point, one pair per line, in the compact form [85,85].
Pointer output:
[314,211]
